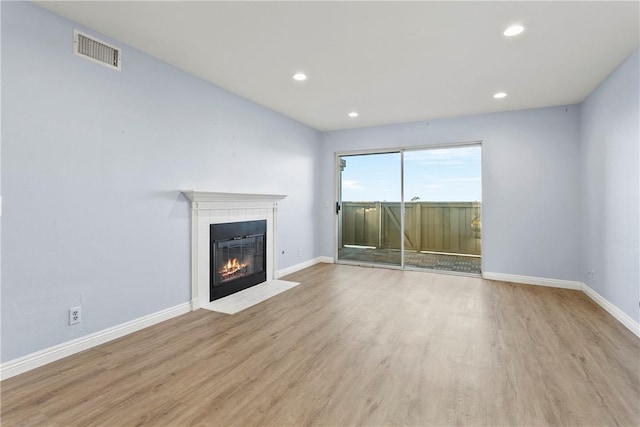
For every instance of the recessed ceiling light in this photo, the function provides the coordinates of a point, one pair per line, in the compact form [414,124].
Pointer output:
[299,76]
[500,95]
[513,30]
[353,114]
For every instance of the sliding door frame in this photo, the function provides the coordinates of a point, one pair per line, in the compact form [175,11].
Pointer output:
[401,151]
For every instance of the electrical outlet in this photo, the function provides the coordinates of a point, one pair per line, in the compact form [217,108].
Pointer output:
[591,274]
[75,315]
[299,253]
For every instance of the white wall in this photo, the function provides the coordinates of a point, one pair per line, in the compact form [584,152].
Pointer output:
[93,161]
[530,185]
[610,184]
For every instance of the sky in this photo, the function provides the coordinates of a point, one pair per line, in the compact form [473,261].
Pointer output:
[438,175]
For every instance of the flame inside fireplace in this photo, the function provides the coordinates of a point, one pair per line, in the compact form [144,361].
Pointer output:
[232,268]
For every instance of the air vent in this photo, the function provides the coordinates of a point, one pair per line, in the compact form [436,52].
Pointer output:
[95,50]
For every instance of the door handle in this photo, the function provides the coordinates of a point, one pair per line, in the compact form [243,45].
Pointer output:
[337,208]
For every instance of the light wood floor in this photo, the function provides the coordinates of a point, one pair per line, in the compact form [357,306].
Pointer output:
[355,346]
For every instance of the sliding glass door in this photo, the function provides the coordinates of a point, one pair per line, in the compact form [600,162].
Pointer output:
[442,200]
[417,209]
[368,208]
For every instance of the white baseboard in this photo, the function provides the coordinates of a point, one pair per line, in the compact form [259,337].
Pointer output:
[303,265]
[618,314]
[529,280]
[51,354]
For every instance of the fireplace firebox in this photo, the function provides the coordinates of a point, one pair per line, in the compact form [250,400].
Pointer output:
[238,258]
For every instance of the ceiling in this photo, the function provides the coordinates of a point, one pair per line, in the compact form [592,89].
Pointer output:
[392,62]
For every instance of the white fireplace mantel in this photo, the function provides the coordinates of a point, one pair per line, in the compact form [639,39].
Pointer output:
[218,208]
[213,197]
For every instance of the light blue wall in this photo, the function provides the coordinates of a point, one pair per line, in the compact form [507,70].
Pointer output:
[93,161]
[610,175]
[530,185]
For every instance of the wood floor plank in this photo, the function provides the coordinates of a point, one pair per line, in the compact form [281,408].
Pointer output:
[354,346]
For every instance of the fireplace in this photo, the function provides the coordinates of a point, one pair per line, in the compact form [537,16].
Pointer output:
[209,208]
[238,258]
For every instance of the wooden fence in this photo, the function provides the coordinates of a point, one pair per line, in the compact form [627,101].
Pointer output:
[452,227]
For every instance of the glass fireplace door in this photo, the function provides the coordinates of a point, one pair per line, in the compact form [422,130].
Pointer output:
[236,258]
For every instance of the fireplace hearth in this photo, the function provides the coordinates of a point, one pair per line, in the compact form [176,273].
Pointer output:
[238,258]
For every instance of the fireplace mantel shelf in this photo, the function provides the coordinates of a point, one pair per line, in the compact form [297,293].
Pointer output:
[210,196]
